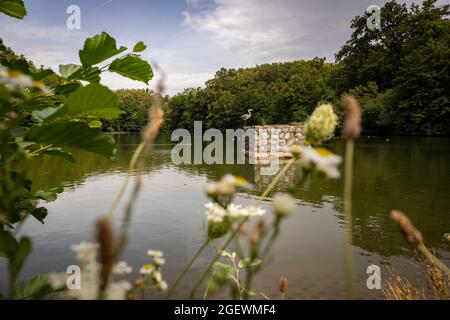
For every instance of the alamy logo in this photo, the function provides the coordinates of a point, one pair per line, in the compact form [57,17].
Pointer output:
[241,146]
[374,279]
[374,19]
[74,278]
[74,20]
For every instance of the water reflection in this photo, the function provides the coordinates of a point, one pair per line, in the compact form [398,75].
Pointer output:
[410,174]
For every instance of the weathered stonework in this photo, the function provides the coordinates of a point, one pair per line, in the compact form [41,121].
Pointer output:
[272,141]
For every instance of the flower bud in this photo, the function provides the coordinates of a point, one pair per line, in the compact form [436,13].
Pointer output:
[283,284]
[283,204]
[296,151]
[321,125]
[217,230]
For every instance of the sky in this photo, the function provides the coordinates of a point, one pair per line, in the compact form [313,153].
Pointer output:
[189,39]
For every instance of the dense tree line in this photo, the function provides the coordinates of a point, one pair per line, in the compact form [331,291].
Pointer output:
[134,104]
[399,73]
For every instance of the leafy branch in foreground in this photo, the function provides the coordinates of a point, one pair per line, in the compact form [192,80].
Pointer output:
[44,114]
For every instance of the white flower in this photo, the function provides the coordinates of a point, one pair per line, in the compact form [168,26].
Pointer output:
[322,160]
[57,279]
[157,276]
[226,254]
[86,251]
[147,269]
[155,253]
[283,204]
[239,211]
[226,186]
[122,268]
[162,285]
[254,211]
[90,283]
[18,80]
[117,290]
[214,212]
[159,261]
[236,210]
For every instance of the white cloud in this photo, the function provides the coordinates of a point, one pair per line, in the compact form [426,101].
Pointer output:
[258,31]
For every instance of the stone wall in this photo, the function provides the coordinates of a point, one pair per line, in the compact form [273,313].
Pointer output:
[274,140]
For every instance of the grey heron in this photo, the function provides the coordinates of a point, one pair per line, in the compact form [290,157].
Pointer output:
[247,116]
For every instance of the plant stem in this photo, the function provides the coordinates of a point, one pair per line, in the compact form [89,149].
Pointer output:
[348,179]
[131,169]
[236,231]
[422,248]
[185,270]
[36,152]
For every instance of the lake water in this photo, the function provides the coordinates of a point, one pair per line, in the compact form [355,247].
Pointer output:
[405,173]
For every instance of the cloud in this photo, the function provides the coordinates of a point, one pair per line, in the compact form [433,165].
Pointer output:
[258,31]
[51,46]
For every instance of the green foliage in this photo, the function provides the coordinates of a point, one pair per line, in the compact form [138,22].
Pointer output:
[13,8]
[98,49]
[35,288]
[400,74]
[408,61]
[277,93]
[139,47]
[132,67]
[134,105]
[42,114]
[72,134]
[93,100]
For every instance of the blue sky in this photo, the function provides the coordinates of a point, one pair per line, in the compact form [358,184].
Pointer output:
[190,39]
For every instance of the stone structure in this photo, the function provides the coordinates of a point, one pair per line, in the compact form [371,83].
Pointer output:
[273,141]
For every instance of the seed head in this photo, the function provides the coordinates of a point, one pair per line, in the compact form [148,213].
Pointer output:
[412,235]
[352,122]
[283,284]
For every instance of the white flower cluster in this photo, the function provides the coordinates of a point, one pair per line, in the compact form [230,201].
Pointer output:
[154,270]
[227,186]
[86,254]
[16,80]
[216,213]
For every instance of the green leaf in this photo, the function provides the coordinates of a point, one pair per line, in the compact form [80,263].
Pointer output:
[93,100]
[98,49]
[66,70]
[8,243]
[223,271]
[49,195]
[60,153]
[95,124]
[13,8]
[247,262]
[39,213]
[132,67]
[34,288]
[19,256]
[139,47]
[73,134]
[41,115]
[77,72]
[66,89]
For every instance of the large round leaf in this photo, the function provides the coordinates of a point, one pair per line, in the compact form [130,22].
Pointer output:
[72,134]
[132,67]
[99,48]
[13,8]
[93,100]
